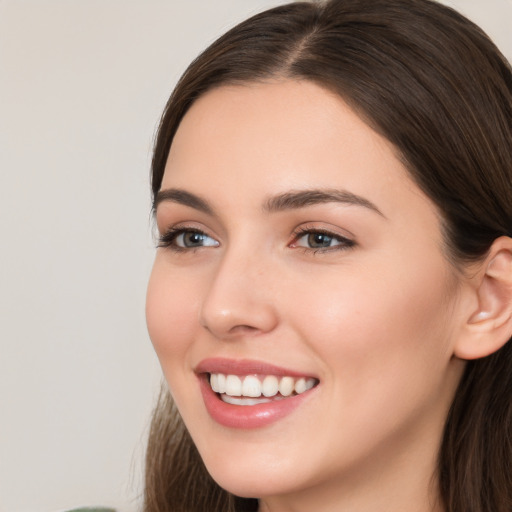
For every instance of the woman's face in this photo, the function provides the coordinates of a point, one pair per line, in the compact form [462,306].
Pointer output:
[296,251]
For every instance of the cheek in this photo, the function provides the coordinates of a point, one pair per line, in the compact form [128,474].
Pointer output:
[383,343]
[171,313]
[367,325]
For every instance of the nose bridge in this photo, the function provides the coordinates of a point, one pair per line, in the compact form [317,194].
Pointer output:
[239,297]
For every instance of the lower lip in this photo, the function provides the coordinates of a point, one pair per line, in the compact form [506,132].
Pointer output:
[248,416]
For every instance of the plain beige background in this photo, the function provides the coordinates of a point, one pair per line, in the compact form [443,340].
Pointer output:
[82,85]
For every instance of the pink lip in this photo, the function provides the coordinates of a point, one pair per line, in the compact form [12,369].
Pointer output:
[246,416]
[244,367]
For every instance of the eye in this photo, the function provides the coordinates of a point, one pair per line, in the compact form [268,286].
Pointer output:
[188,239]
[181,239]
[316,240]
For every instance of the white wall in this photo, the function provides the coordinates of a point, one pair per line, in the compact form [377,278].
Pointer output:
[82,85]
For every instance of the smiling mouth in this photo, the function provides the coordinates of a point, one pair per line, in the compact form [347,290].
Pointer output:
[258,389]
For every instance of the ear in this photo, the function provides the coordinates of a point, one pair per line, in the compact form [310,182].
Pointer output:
[489,327]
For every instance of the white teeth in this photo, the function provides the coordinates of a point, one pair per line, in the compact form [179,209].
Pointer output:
[253,387]
[233,385]
[270,385]
[300,386]
[214,382]
[286,386]
[221,383]
[244,401]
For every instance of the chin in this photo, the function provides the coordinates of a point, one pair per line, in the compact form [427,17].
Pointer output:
[251,484]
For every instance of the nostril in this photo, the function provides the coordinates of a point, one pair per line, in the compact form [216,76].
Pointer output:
[242,329]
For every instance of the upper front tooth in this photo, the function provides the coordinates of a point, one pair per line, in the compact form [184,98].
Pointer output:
[221,383]
[270,385]
[233,385]
[251,386]
[286,385]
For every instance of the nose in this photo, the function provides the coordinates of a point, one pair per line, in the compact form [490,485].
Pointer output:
[240,300]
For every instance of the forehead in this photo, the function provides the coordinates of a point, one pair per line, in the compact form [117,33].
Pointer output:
[267,138]
[270,121]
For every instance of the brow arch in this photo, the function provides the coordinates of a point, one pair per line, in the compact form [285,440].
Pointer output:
[295,199]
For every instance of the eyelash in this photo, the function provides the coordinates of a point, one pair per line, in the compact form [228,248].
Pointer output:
[168,239]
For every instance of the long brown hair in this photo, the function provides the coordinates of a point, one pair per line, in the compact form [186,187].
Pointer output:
[435,86]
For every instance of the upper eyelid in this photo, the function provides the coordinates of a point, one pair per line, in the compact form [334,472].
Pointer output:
[314,227]
[336,236]
[306,230]
[166,227]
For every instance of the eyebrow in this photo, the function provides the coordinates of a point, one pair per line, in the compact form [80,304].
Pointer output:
[292,200]
[302,198]
[182,197]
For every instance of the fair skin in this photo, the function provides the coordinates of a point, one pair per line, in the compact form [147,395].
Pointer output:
[353,290]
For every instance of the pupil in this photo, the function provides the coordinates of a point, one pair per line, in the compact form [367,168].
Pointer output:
[319,240]
[191,239]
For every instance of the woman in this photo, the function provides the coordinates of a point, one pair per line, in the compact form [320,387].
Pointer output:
[331,298]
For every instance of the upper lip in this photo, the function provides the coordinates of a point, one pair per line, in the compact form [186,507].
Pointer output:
[245,367]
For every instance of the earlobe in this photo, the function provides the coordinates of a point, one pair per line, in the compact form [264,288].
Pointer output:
[489,327]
